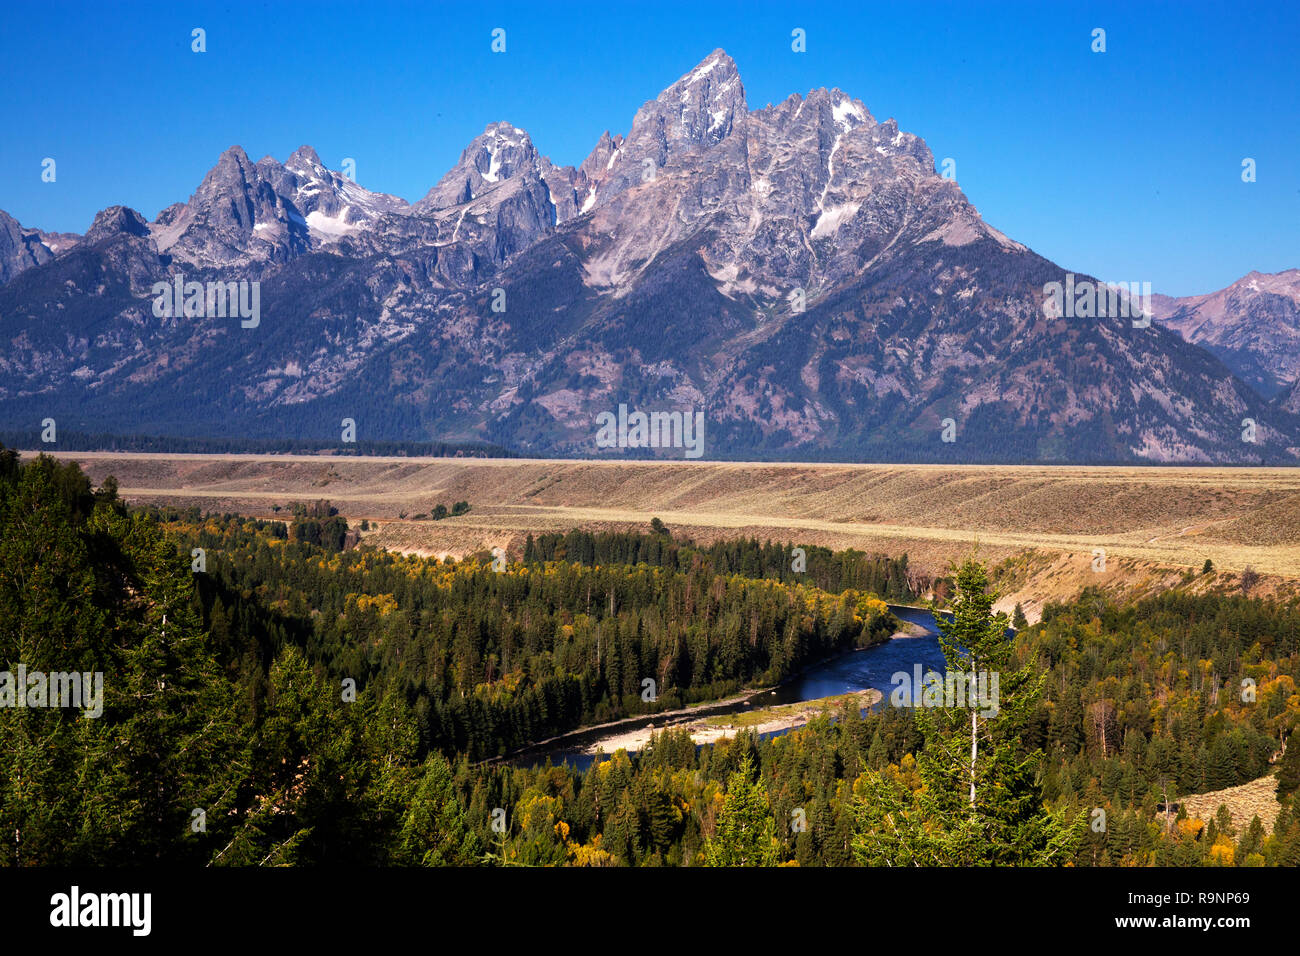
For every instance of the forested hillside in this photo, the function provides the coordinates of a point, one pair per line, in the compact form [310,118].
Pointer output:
[273,695]
[829,570]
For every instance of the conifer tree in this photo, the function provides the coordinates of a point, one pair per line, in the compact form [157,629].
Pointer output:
[982,801]
[435,831]
[1018,619]
[745,834]
[86,588]
[1288,775]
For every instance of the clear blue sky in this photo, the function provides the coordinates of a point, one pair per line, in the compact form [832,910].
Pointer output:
[1126,164]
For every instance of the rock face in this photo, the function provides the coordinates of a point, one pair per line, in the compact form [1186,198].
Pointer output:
[22,249]
[246,213]
[501,198]
[1290,399]
[799,274]
[670,134]
[113,222]
[1253,326]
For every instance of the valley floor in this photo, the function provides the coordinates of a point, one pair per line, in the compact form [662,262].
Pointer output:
[1049,524]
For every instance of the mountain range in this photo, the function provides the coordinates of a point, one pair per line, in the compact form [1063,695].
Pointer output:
[1253,325]
[799,273]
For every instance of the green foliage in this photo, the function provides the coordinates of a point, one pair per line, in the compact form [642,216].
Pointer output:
[224,692]
[435,831]
[1288,775]
[745,832]
[492,662]
[86,588]
[320,525]
[980,802]
[70,440]
[832,571]
[1018,619]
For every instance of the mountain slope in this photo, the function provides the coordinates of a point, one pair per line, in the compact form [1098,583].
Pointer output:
[799,274]
[22,249]
[1290,400]
[1253,325]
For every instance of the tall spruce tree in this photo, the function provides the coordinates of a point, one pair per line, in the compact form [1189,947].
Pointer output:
[435,831]
[745,834]
[87,589]
[981,802]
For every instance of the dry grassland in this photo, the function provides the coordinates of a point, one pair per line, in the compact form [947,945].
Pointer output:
[1258,798]
[1046,521]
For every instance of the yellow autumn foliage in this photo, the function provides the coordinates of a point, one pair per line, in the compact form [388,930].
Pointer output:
[1222,853]
[1191,827]
[384,604]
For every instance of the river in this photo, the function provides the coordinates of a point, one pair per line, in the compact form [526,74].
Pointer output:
[854,671]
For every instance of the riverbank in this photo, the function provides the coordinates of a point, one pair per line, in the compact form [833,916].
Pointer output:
[908,630]
[765,720]
[666,716]
[639,726]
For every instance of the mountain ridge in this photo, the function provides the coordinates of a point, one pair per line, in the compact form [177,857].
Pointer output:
[800,273]
[1252,324]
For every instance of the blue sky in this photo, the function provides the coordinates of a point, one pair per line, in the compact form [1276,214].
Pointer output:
[1124,164]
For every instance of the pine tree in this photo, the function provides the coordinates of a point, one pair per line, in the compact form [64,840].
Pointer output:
[87,588]
[981,802]
[434,831]
[745,834]
[1252,839]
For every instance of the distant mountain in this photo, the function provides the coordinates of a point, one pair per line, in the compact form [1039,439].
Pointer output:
[1290,399]
[800,274]
[261,212]
[22,249]
[1253,325]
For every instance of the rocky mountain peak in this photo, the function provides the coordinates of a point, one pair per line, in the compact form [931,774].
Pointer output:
[268,211]
[596,168]
[499,154]
[116,221]
[698,113]
[1252,325]
[800,273]
[24,248]
[598,160]
[304,157]
[841,111]
[699,110]
[233,160]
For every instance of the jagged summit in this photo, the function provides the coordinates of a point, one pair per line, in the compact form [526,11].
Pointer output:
[267,212]
[498,154]
[116,221]
[800,273]
[23,248]
[303,156]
